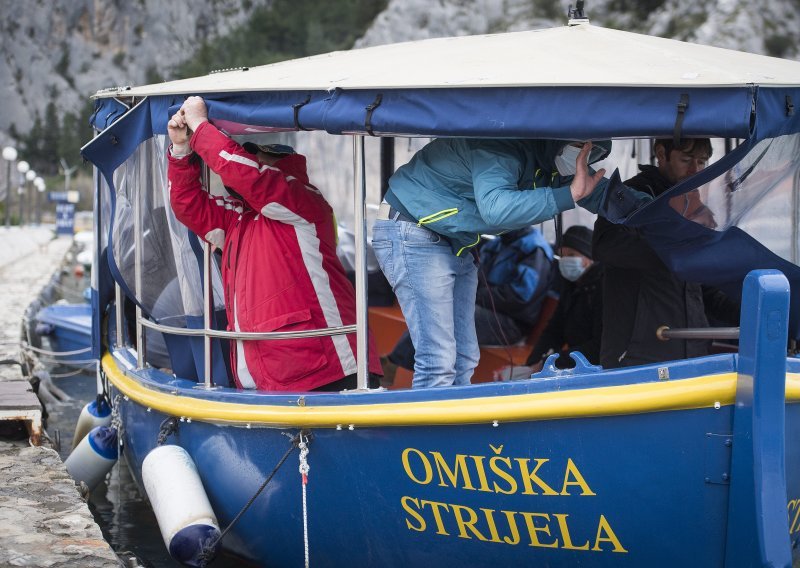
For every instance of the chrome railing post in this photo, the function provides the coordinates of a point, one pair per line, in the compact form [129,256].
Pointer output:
[664,333]
[360,232]
[208,297]
[120,314]
[796,218]
[251,335]
[208,307]
[137,267]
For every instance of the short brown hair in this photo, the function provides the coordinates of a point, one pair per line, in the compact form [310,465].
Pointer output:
[687,145]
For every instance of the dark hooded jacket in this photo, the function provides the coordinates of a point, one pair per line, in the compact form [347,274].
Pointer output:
[577,322]
[640,294]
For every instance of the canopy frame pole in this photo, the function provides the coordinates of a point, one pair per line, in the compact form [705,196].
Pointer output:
[208,297]
[360,232]
[796,219]
[120,314]
[137,267]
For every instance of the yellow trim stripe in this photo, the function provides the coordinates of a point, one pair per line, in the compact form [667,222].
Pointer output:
[700,392]
[462,249]
[443,214]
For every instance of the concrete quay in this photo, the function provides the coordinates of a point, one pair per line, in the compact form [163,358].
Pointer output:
[44,521]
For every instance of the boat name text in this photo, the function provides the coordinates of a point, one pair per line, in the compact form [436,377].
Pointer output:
[501,474]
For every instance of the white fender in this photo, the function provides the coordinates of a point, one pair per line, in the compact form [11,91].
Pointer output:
[94,456]
[94,414]
[185,517]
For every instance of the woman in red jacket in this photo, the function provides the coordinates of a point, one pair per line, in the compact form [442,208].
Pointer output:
[279,266]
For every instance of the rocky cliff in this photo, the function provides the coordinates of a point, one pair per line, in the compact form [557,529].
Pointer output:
[65,50]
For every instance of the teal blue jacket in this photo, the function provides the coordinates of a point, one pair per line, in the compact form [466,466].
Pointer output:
[462,188]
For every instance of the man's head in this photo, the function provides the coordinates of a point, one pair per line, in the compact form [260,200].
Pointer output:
[575,252]
[678,162]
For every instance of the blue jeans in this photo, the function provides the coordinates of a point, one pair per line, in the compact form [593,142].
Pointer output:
[436,291]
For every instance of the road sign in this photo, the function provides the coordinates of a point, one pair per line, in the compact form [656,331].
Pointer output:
[65,218]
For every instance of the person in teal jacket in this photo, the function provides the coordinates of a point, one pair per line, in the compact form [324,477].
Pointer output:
[437,206]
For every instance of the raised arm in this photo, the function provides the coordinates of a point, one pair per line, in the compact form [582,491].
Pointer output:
[205,214]
[267,189]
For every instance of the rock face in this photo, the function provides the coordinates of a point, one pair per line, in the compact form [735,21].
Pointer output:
[44,521]
[68,49]
[771,27]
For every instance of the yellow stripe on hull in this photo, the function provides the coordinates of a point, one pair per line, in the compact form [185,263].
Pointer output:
[685,394]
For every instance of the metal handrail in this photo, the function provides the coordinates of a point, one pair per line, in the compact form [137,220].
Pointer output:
[249,335]
[664,333]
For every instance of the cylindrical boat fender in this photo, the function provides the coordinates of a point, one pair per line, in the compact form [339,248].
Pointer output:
[94,456]
[188,524]
[95,413]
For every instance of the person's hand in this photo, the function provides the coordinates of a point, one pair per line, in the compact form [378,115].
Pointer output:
[178,135]
[194,112]
[583,184]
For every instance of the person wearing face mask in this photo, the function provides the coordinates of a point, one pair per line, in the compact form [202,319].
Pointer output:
[438,205]
[577,322]
[639,293]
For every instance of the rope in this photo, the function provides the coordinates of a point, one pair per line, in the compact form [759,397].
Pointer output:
[70,374]
[304,468]
[506,343]
[87,362]
[208,552]
[29,347]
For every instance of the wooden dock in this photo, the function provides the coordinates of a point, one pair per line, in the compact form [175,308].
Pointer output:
[18,403]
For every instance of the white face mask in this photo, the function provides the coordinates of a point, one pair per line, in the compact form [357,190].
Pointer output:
[566,159]
[571,267]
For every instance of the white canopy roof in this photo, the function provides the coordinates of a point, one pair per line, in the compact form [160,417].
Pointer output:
[566,56]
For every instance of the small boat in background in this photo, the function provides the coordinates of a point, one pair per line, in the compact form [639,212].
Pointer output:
[69,330]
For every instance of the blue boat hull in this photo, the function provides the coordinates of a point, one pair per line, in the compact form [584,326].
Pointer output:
[641,489]
[70,330]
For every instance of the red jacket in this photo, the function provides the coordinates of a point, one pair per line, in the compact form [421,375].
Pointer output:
[279,264]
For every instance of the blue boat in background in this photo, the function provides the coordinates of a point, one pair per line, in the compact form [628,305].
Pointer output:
[684,463]
[69,329]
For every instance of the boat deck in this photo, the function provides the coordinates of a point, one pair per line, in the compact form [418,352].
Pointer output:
[388,325]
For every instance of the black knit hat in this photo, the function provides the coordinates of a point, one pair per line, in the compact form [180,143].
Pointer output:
[579,238]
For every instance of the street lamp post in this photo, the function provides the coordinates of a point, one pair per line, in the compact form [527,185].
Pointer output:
[39,187]
[23,168]
[30,175]
[9,155]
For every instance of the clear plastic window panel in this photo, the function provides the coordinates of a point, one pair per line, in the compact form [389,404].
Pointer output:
[171,274]
[105,219]
[760,195]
